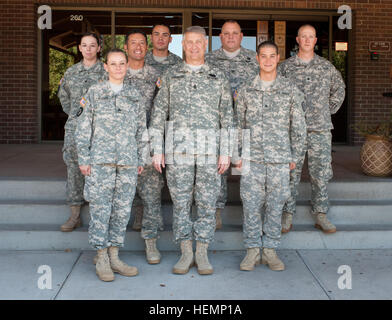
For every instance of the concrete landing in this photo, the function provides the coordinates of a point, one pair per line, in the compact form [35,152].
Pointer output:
[45,161]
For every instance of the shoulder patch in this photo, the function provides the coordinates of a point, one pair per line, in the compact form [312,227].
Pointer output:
[83,102]
[235,94]
[158,83]
[80,111]
[60,82]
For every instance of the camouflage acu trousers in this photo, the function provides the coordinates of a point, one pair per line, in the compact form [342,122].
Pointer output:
[111,192]
[149,187]
[222,198]
[202,180]
[318,148]
[75,179]
[265,185]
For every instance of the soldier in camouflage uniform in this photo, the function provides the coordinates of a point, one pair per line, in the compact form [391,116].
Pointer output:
[195,98]
[110,143]
[269,109]
[75,83]
[148,215]
[160,58]
[241,67]
[324,91]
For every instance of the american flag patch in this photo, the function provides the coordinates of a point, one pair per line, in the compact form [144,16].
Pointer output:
[83,102]
[235,95]
[158,83]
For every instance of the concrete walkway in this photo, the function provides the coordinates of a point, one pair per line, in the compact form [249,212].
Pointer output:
[309,274]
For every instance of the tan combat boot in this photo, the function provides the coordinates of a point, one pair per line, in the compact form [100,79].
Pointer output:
[218,219]
[102,268]
[324,224]
[137,222]
[251,259]
[201,259]
[287,222]
[270,258]
[118,266]
[74,220]
[152,254]
[187,259]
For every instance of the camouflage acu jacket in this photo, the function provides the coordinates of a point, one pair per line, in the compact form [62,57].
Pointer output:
[322,85]
[161,67]
[194,103]
[110,127]
[274,120]
[239,70]
[75,83]
[145,81]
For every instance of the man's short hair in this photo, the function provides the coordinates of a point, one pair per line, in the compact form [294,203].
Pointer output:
[306,25]
[231,21]
[163,25]
[196,29]
[267,43]
[115,50]
[135,31]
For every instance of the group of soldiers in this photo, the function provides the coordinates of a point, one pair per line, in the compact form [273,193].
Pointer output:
[145,115]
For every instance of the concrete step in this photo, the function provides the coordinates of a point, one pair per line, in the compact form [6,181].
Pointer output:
[341,213]
[47,189]
[36,189]
[33,237]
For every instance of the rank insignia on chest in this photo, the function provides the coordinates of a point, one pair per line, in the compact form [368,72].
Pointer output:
[158,83]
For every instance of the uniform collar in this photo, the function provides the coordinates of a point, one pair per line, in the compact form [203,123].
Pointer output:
[128,90]
[108,90]
[95,67]
[141,74]
[299,62]
[184,69]
[220,54]
[169,59]
[256,83]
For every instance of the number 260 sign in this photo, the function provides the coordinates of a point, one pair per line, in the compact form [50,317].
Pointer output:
[75,17]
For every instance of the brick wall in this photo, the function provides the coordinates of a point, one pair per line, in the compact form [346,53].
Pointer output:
[18,73]
[19,113]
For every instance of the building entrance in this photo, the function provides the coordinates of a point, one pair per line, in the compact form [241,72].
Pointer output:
[59,45]
[59,50]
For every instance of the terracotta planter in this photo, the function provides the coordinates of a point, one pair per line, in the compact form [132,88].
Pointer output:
[376,156]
